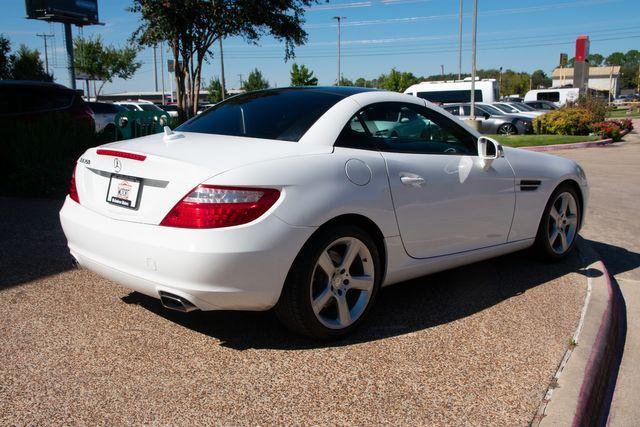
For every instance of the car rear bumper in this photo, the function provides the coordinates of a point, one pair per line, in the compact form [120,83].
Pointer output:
[234,268]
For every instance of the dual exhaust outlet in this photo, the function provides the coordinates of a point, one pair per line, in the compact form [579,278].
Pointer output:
[175,302]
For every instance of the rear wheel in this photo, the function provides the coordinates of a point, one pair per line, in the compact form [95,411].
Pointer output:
[332,284]
[558,228]
[507,129]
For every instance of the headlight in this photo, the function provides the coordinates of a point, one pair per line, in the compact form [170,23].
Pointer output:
[122,122]
[163,120]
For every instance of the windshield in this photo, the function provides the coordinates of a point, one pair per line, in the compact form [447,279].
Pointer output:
[491,110]
[523,107]
[283,114]
[506,108]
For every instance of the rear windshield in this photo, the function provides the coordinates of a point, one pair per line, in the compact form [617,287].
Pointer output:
[25,99]
[104,107]
[283,114]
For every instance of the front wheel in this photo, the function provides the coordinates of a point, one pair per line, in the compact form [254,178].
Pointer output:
[559,225]
[332,284]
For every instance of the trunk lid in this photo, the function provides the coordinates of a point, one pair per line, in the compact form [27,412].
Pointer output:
[170,169]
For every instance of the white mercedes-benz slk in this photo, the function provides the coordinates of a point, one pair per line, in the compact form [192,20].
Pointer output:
[308,200]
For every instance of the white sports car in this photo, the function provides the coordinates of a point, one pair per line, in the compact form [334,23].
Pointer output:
[308,200]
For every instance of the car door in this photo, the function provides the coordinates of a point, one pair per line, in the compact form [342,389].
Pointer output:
[445,201]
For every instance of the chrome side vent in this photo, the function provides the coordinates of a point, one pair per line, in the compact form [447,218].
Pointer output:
[529,185]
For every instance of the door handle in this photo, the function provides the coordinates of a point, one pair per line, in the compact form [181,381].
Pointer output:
[411,179]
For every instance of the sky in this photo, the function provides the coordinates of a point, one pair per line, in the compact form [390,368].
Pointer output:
[418,36]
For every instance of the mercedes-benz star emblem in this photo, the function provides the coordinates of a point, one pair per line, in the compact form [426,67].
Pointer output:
[117,165]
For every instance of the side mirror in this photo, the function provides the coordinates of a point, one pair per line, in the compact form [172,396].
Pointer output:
[488,150]
[486,116]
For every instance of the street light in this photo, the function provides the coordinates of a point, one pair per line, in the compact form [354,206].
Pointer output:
[460,42]
[473,61]
[339,19]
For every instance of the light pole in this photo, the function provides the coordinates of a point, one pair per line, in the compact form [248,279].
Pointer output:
[500,85]
[46,50]
[442,70]
[460,42]
[339,19]
[221,69]
[162,73]
[155,67]
[473,60]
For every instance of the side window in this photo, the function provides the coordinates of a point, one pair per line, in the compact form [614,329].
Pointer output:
[401,127]
[454,109]
[354,135]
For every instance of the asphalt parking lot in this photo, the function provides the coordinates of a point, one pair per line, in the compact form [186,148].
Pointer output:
[474,345]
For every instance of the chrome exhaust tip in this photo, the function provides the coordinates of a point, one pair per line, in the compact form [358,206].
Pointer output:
[175,302]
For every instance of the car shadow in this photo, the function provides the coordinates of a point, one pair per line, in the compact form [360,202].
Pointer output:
[32,244]
[407,307]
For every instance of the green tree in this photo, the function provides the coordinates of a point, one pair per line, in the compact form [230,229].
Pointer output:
[540,79]
[301,76]
[191,27]
[345,82]
[360,82]
[5,48]
[396,81]
[595,59]
[616,58]
[104,63]
[26,64]
[215,90]
[255,81]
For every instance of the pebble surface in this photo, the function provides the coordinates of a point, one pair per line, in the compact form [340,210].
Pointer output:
[472,346]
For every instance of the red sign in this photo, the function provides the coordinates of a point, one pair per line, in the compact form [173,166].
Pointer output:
[582,48]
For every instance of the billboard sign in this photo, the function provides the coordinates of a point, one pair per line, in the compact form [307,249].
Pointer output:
[78,12]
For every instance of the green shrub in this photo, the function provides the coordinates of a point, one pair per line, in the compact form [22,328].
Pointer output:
[40,155]
[565,121]
[596,106]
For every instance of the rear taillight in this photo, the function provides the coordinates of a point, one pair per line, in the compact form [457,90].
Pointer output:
[208,206]
[73,190]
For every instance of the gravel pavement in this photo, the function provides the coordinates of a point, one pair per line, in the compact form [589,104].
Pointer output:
[475,346]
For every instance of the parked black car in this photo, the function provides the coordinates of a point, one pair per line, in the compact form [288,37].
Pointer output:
[29,101]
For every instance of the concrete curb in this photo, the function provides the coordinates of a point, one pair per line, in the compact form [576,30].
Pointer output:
[586,144]
[581,391]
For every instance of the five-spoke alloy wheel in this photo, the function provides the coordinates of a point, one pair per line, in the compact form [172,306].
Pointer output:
[560,223]
[332,283]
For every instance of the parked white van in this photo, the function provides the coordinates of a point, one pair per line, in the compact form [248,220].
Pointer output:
[558,95]
[455,91]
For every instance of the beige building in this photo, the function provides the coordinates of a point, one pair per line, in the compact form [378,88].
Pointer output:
[600,78]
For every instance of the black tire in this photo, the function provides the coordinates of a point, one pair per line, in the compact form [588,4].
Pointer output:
[507,129]
[294,308]
[542,245]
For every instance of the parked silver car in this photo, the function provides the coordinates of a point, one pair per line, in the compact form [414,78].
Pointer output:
[104,114]
[493,120]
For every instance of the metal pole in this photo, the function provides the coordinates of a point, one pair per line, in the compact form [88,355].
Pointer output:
[460,42]
[442,70]
[240,76]
[473,60]
[500,85]
[339,19]
[68,40]
[162,71]
[155,67]
[222,69]
[46,50]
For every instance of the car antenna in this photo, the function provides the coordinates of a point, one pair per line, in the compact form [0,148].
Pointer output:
[170,135]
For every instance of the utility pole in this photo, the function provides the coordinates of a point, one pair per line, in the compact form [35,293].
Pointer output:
[162,71]
[473,60]
[500,85]
[68,41]
[442,70]
[155,67]
[460,42]
[221,68]
[339,19]
[240,75]
[46,50]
